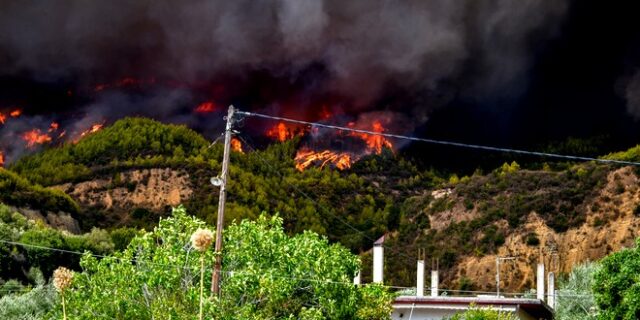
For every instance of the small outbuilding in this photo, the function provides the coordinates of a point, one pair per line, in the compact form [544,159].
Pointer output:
[440,307]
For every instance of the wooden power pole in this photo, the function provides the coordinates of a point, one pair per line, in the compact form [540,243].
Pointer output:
[215,278]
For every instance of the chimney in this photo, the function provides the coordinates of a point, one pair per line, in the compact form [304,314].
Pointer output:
[420,280]
[540,282]
[356,279]
[551,295]
[434,283]
[378,260]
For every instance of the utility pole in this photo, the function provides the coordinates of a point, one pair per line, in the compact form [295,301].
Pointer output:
[498,259]
[222,181]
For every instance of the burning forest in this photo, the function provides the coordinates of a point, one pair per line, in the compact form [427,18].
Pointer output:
[336,149]
[183,63]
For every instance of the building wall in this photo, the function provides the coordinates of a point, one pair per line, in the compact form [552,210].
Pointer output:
[437,312]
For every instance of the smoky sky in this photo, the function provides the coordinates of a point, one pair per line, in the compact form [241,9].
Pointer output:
[408,59]
[362,44]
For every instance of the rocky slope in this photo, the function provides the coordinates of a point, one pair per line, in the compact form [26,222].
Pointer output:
[611,223]
[118,195]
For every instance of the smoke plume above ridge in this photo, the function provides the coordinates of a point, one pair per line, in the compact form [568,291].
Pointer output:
[405,58]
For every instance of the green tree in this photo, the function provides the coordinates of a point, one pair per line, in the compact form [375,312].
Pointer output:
[267,275]
[617,285]
[574,300]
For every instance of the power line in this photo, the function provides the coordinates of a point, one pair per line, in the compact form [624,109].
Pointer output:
[89,253]
[441,142]
[233,272]
[228,271]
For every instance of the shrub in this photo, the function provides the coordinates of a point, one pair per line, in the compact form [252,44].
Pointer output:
[532,239]
[267,275]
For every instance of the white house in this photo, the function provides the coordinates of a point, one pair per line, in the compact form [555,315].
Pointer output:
[435,307]
[432,308]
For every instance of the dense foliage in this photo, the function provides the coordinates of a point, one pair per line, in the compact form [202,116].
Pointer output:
[267,275]
[128,142]
[316,199]
[504,194]
[25,302]
[574,300]
[16,259]
[380,194]
[17,191]
[617,286]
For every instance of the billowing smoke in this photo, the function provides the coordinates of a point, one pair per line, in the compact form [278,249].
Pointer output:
[400,57]
[632,95]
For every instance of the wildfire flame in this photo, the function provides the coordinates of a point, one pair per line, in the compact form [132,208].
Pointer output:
[375,143]
[34,137]
[53,127]
[1,159]
[14,114]
[206,107]
[281,132]
[94,127]
[305,158]
[236,145]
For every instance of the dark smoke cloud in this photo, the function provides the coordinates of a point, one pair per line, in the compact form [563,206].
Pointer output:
[404,57]
[631,94]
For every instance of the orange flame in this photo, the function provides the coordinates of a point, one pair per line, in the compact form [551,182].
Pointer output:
[236,145]
[15,113]
[305,158]
[53,127]
[281,132]
[375,143]
[1,159]
[34,137]
[3,118]
[206,107]
[94,128]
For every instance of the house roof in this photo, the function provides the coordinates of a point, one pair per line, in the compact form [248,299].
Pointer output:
[536,308]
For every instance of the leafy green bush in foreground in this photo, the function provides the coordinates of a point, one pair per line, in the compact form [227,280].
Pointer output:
[267,275]
[617,285]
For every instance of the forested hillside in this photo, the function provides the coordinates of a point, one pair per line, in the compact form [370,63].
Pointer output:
[454,218]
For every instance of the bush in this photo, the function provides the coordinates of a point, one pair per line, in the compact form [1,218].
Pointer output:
[616,285]
[532,239]
[27,303]
[267,275]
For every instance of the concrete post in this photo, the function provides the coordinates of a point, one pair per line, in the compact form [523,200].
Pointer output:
[540,282]
[551,295]
[434,283]
[420,279]
[378,263]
